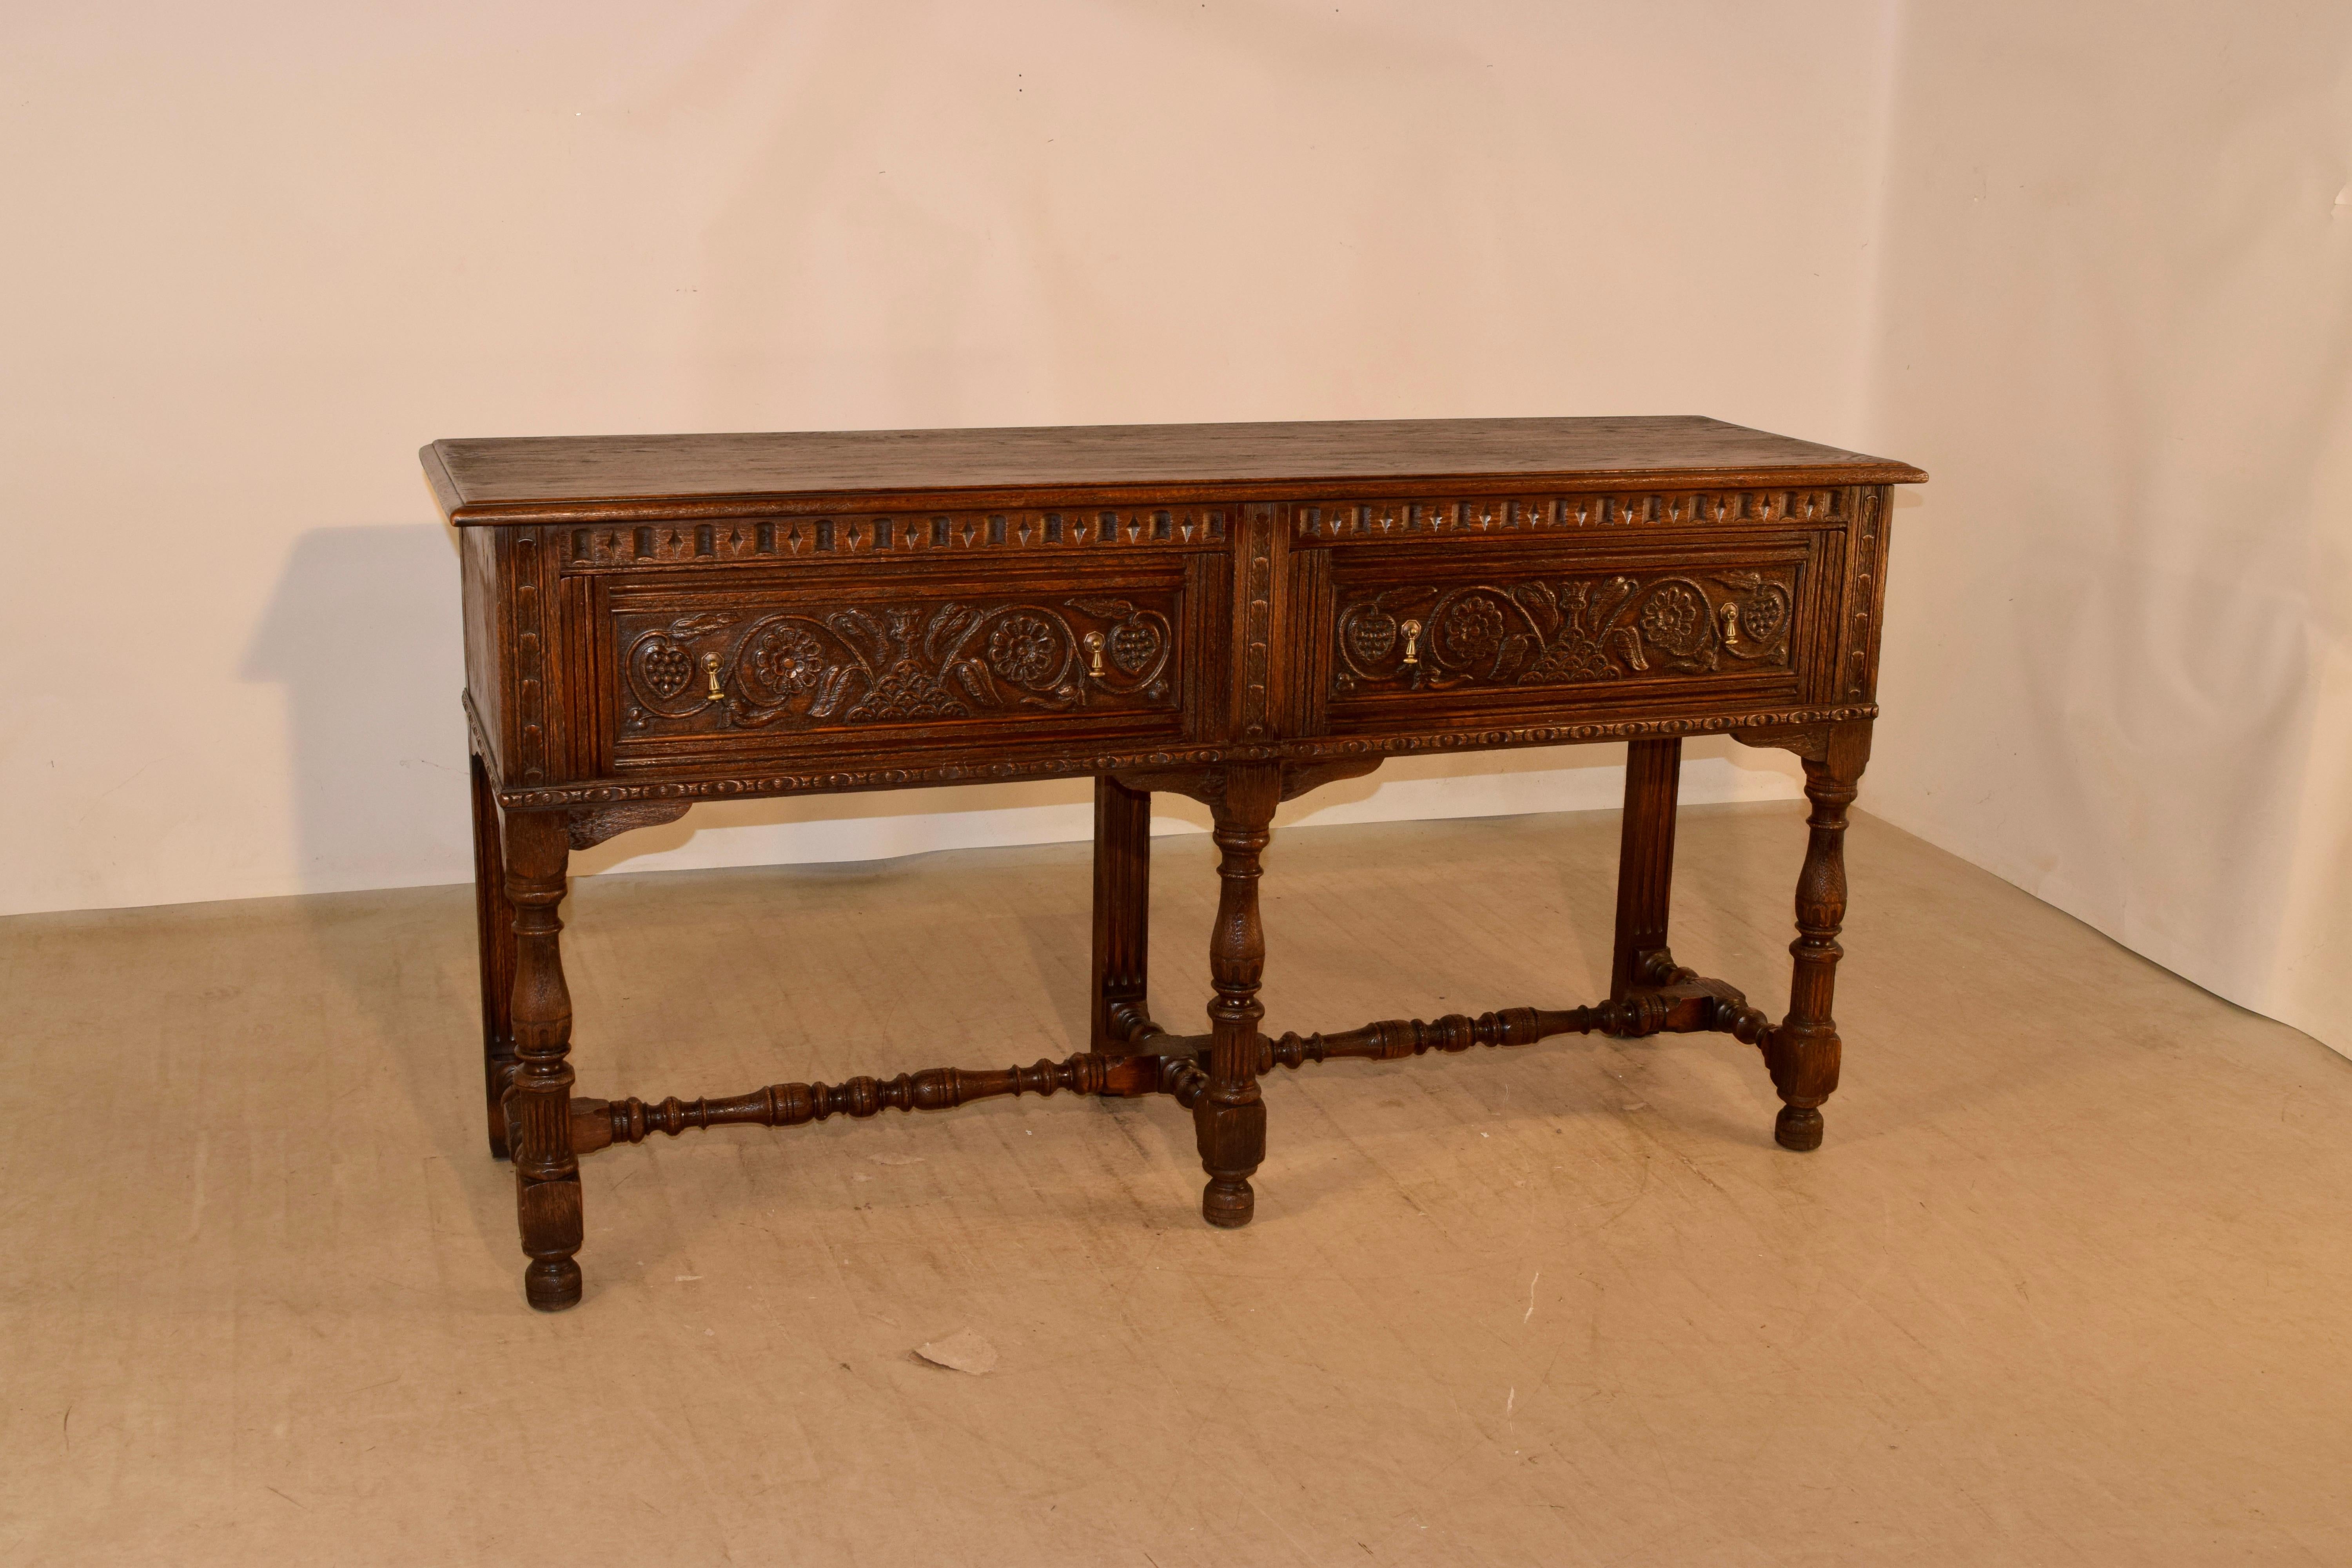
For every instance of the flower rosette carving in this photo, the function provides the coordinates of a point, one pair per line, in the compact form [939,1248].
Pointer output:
[1428,638]
[1675,618]
[1029,650]
[781,660]
[1470,630]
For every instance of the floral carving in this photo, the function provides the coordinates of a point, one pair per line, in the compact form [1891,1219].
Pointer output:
[898,664]
[1675,616]
[1028,650]
[784,658]
[1472,629]
[1554,632]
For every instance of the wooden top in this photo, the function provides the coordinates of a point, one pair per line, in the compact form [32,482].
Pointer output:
[615,478]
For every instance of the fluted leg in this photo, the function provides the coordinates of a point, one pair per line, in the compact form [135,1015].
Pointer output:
[1802,1053]
[1229,1120]
[1123,911]
[495,940]
[1645,859]
[547,1174]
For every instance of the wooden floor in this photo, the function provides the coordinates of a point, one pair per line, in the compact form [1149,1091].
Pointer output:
[2071,1281]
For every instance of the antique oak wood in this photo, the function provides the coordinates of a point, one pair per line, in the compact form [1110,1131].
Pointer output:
[1237,613]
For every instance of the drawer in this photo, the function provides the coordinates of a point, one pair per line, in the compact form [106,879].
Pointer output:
[876,665]
[1440,634]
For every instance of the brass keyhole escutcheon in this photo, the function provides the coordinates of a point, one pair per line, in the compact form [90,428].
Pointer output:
[1729,614]
[711,673]
[1094,641]
[1411,642]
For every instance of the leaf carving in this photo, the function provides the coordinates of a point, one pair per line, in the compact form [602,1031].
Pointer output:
[1514,648]
[1540,604]
[862,632]
[948,631]
[829,695]
[973,677]
[1612,597]
[687,627]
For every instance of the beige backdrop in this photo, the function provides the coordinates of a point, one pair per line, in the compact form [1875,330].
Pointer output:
[2087,263]
[262,253]
[2117,327]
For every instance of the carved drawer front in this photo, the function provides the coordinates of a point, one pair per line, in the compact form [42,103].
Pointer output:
[1456,638]
[858,666]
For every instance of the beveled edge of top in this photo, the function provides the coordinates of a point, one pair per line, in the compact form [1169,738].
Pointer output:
[1768,460]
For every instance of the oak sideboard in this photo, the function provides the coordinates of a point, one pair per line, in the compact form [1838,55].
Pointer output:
[1236,613]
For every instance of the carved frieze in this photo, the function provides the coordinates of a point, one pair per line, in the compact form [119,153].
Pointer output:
[843,666]
[1257,622]
[1547,631]
[1353,521]
[1869,552]
[892,534]
[530,661]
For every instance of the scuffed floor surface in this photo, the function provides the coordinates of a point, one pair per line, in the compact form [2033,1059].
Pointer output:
[2069,1282]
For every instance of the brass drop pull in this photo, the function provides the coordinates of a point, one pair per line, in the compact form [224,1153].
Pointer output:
[1729,614]
[1412,642]
[710,672]
[1094,641]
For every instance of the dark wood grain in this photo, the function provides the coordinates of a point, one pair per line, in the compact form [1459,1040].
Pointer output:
[1122,964]
[619,477]
[1239,614]
[1804,1051]
[1645,861]
[1229,1122]
[493,933]
[539,1101]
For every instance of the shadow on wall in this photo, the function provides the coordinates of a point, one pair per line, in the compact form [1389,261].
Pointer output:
[364,633]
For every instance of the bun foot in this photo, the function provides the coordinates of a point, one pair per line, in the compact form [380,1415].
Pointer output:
[1228,1205]
[552,1286]
[1798,1127]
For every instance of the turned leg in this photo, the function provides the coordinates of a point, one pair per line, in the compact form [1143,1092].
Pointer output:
[495,940]
[1229,1119]
[1122,913]
[547,1174]
[1802,1053]
[1646,859]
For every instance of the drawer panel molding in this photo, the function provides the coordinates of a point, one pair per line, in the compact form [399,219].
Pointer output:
[813,667]
[1550,631]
